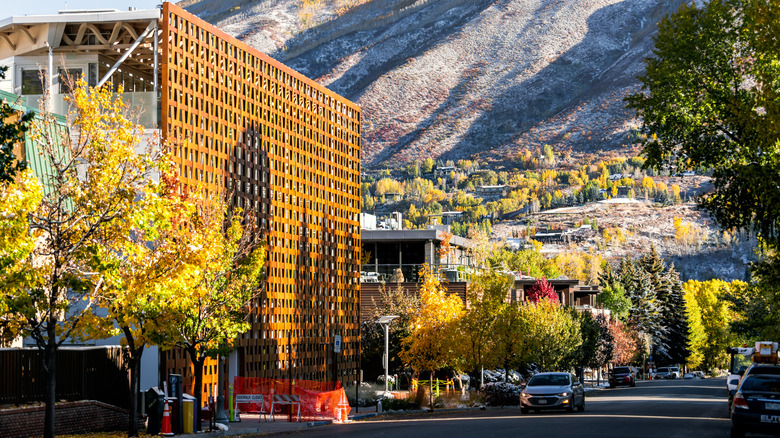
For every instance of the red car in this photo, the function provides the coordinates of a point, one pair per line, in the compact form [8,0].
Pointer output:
[622,376]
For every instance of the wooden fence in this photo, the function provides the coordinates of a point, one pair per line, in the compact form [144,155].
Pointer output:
[83,373]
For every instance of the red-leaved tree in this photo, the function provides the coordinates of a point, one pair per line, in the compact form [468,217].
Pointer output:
[542,290]
[625,343]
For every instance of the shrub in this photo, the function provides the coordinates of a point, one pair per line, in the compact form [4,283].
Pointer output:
[456,400]
[399,404]
[501,394]
[368,394]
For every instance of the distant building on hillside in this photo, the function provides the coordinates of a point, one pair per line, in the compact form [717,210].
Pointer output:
[579,234]
[445,217]
[443,171]
[492,191]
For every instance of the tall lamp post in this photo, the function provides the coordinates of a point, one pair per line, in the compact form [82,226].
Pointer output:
[385,321]
[219,415]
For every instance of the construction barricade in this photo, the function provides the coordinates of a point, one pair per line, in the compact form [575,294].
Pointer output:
[301,399]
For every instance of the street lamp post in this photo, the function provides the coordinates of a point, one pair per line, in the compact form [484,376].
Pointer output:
[219,415]
[385,321]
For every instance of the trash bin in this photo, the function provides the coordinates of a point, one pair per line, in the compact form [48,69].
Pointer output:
[188,412]
[154,401]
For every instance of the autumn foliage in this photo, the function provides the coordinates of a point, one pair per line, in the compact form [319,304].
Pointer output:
[542,290]
[625,343]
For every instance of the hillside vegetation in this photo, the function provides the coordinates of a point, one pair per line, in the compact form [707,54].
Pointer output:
[513,85]
[454,79]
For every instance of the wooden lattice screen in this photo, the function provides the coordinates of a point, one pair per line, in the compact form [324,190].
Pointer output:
[289,150]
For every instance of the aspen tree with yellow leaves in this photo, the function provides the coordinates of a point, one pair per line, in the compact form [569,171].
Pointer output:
[431,344]
[92,176]
[139,269]
[220,276]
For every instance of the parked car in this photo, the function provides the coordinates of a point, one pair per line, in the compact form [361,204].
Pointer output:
[756,405]
[552,391]
[734,380]
[622,376]
[667,373]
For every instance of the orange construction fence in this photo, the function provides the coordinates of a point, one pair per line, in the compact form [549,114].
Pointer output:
[317,399]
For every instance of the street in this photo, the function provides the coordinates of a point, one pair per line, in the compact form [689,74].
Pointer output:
[660,408]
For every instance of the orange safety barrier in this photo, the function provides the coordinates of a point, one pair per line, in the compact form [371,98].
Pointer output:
[318,400]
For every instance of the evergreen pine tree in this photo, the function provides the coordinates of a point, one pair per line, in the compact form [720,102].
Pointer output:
[677,322]
[668,292]
[645,314]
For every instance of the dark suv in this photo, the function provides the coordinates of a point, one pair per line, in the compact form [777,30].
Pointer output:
[622,376]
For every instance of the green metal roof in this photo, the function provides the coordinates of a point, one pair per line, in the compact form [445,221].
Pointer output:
[37,161]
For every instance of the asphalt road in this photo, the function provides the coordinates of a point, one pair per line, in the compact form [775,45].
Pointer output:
[657,409]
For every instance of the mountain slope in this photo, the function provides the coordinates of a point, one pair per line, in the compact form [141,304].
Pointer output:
[454,78]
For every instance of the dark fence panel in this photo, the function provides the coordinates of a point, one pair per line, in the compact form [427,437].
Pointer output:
[89,373]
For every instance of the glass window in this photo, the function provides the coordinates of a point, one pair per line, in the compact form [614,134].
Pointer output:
[32,82]
[93,74]
[549,380]
[68,78]
[764,383]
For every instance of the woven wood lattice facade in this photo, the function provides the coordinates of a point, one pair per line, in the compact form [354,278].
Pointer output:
[289,150]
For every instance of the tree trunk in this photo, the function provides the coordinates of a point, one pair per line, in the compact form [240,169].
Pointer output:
[430,395]
[197,363]
[50,371]
[135,362]
[135,365]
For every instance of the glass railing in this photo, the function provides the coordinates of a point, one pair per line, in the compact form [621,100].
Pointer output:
[411,273]
[143,106]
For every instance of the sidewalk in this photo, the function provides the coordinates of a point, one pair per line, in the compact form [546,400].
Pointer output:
[251,424]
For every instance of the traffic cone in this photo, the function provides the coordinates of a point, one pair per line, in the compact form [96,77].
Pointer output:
[166,422]
[341,411]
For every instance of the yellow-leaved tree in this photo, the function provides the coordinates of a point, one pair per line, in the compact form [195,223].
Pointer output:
[709,317]
[220,275]
[551,335]
[431,343]
[91,172]
[481,326]
[140,269]
[18,199]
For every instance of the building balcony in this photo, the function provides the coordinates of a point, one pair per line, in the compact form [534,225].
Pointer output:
[374,273]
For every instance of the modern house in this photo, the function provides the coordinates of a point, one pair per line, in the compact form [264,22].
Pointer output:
[393,257]
[570,291]
[278,143]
